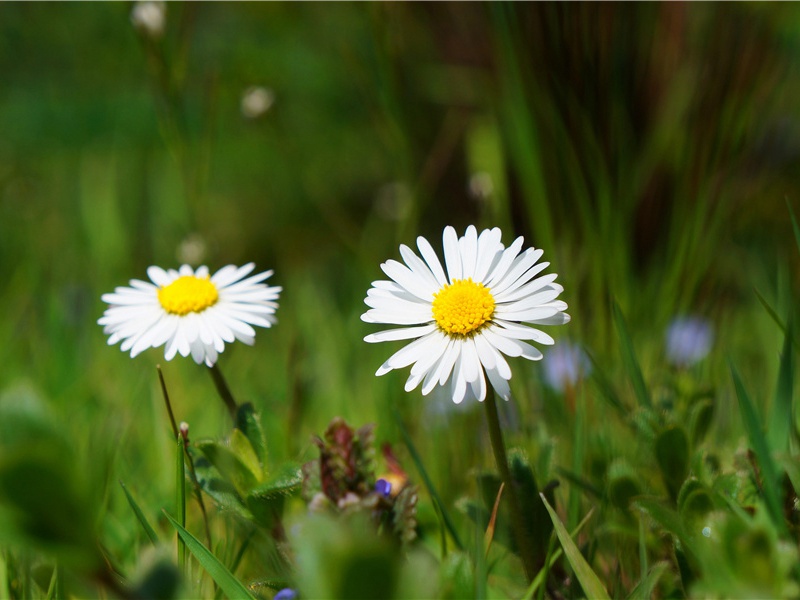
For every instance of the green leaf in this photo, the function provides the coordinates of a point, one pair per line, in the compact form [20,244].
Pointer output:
[232,587]
[229,465]
[781,417]
[243,449]
[248,422]
[151,534]
[758,442]
[591,584]
[629,358]
[672,454]
[668,519]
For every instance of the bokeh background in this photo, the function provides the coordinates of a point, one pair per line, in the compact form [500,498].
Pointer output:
[651,150]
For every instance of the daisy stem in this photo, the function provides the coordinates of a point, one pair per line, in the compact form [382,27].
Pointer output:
[224,391]
[524,543]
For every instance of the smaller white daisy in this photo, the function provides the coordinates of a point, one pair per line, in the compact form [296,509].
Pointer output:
[190,312]
[464,321]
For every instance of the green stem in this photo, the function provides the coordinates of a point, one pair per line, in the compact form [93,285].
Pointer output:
[524,543]
[224,391]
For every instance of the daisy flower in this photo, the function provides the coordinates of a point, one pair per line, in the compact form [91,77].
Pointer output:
[464,321]
[190,312]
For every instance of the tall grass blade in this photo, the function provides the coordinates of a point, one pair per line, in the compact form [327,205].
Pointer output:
[758,442]
[427,480]
[771,311]
[629,358]
[781,416]
[151,534]
[232,587]
[591,584]
[644,589]
[795,228]
[552,557]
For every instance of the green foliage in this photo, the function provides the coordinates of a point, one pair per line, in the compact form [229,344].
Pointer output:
[649,149]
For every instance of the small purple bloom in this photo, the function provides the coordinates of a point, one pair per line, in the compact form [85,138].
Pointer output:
[286,594]
[383,487]
[689,340]
[565,365]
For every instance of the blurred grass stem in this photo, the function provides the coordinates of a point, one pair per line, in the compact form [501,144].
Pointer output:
[224,391]
[195,484]
[498,447]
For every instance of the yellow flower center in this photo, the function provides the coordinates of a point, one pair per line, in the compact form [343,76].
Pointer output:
[188,294]
[462,307]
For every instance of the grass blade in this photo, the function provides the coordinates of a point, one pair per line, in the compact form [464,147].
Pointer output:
[591,584]
[781,416]
[552,557]
[758,442]
[151,534]
[232,587]
[644,589]
[795,228]
[629,358]
[427,480]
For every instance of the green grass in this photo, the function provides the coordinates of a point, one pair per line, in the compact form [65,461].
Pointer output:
[646,150]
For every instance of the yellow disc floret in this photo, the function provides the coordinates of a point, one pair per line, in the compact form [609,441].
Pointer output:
[188,294]
[462,307]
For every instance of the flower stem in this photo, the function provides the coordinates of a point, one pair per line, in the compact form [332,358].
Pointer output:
[224,391]
[524,543]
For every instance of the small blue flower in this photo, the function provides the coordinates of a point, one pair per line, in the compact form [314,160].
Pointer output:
[689,340]
[565,365]
[286,594]
[383,487]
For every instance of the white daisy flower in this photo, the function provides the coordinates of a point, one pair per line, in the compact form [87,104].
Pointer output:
[190,312]
[464,321]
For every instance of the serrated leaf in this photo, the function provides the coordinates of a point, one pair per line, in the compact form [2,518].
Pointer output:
[591,584]
[629,358]
[285,482]
[232,587]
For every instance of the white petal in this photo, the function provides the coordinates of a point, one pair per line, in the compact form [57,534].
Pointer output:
[405,333]
[471,364]
[420,287]
[430,257]
[499,384]
[523,287]
[418,266]
[489,247]
[468,246]
[452,257]
[158,276]
[459,384]
[521,264]
[522,332]
[505,262]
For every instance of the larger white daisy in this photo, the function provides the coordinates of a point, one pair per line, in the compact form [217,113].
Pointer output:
[463,322]
[190,312]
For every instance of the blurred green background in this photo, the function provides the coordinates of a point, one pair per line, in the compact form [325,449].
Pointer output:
[650,149]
